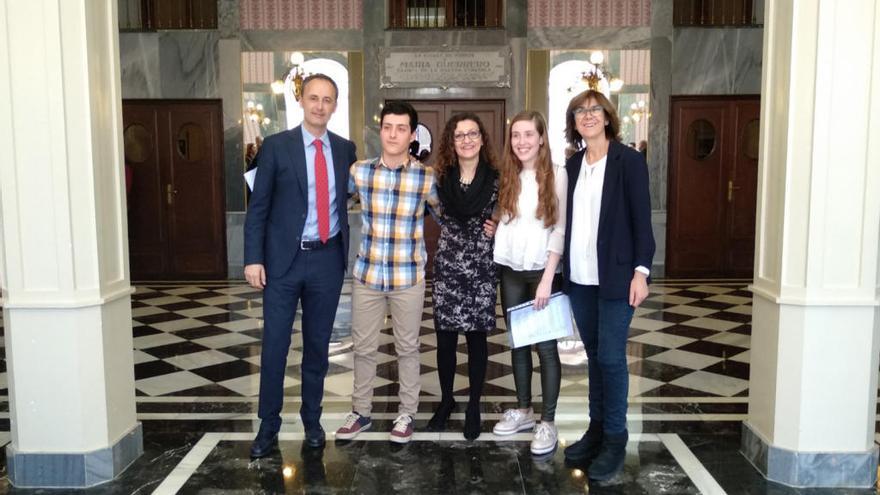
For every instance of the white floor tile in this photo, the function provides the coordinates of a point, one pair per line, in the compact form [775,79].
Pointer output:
[164,300]
[712,324]
[690,310]
[143,357]
[712,383]
[249,386]
[172,382]
[711,289]
[202,311]
[685,359]
[649,324]
[730,338]
[199,359]
[146,311]
[156,340]
[727,299]
[176,325]
[241,325]
[743,357]
[662,339]
[225,340]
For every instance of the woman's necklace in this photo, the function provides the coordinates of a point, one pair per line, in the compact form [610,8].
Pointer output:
[466,180]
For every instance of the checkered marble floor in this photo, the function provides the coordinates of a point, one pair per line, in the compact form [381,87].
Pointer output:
[687,340]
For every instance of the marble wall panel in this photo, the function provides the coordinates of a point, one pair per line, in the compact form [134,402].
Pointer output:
[716,61]
[606,38]
[188,64]
[235,244]
[228,18]
[285,40]
[661,80]
[139,65]
[170,64]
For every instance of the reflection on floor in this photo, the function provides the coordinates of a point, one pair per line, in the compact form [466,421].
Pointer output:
[197,363]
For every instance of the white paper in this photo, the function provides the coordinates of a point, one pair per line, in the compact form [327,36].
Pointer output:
[528,326]
[250,176]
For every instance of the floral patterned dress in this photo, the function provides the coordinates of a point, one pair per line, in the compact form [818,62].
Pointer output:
[465,275]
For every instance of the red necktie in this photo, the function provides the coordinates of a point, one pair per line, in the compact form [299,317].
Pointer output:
[322,193]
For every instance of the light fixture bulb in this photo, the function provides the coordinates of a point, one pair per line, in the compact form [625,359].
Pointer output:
[250,104]
[597,58]
[266,121]
[277,87]
[615,84]
[297,58]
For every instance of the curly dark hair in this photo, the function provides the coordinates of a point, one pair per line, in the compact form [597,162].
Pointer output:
[612,128]
[446,157]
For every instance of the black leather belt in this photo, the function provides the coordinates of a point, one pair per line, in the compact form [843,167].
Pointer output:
[313,245]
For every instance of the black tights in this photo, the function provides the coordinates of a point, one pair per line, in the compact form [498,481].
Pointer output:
[477,357]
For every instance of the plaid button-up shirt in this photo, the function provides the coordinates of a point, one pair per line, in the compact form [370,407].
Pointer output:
[393,203]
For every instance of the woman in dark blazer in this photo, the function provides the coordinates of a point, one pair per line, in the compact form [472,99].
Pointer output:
[609,246]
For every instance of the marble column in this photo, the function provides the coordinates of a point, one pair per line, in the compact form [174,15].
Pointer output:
[64,253]
[658,125]
[816,323]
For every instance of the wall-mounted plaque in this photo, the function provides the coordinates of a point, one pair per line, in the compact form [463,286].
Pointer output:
[467,67]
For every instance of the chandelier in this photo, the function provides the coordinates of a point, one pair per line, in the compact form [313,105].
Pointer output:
[593,77]
[296,74]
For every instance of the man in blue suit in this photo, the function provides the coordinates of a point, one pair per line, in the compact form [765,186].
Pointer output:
[295,247]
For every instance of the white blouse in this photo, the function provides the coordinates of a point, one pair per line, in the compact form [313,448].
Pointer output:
[586,203]
[523,243]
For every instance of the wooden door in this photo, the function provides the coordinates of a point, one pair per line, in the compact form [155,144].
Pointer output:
[177,226]
[433,115]
[712,187]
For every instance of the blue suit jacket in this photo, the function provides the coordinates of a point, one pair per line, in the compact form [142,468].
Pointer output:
[279,202]
[625,238]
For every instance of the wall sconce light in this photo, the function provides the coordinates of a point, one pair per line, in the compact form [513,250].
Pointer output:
[254,113]
[639,111]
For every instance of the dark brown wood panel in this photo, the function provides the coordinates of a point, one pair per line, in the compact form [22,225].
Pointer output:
[712,187]
[743,188]
[147,229]
[177,225]
[713,12]
[197,189]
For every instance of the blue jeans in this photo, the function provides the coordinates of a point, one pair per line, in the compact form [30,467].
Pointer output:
[604,327]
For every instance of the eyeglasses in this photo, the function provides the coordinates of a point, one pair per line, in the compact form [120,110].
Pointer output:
[593,110]
[471,135]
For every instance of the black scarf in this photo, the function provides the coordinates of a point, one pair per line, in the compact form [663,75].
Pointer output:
[464,204]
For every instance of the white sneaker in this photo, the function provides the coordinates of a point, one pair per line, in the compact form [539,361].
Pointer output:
[513,421]
[403,430]
[545,438]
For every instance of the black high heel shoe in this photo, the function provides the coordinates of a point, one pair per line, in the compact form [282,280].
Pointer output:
[472,422]
[441,417]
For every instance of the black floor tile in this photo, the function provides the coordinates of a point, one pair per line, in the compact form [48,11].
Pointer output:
[712,349]
[175,349]
[227,371]
[153,368]
[730,368]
